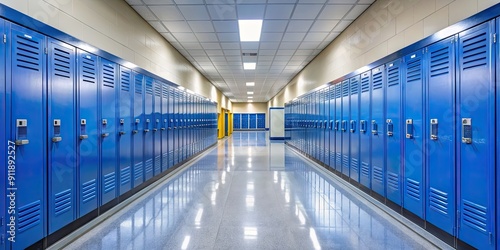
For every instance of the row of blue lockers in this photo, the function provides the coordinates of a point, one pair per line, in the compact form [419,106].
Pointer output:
[249,121]
[418,133]
[82,133]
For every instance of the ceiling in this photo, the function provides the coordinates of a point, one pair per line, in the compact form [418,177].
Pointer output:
[206,33]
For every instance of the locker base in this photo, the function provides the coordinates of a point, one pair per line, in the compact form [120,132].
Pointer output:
[413,218]
[439,233]
[463,246]
[36,246]
[394,206]
[378,197]
[61,233]
[109,205]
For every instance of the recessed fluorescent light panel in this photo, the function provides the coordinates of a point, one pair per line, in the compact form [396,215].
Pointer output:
[250,101]
[250,97]
[250,84]
[250,30]
[250,93]
[249,65]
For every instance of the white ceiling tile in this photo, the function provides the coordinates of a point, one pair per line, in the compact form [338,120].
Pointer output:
[169,38]
[341,26]
[234,59]
[214,52]
[269,45]
[222,11]
[299,26]
[309,45]
[294,63]
[207,37]
[145,13]
[250,45]
[332,36]
[284,52]
[282,58]
[282,1]
[324,25]
[265,58]
[190,46]
[226,26]
[267,52]
[250,1]
[250,11]
[218,59]
[228,37]
[366,1]
[230,45]
[279,11]
[185,37]
[189,1]
[334,11]
[293,37]
[177,26]
[306,11]
[356,11]
[289,45]
[167,13]
[274,25]
[210,45]
[315,37]
[342,1]
[158,2]
[312,1]
[201,26]
[279,63]
[201,59]
[194,12]
[197,52]
[231,52]
[298,58]
[271,37]
[302,52]
[134,2]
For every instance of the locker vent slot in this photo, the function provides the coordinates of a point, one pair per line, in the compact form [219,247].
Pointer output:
[475,215]
[438,201]
[125,81]
[338,159]
[148,166]
[62,202]
[338,91]
[331,95]
[125,176]
[345,161]
[108,75]
[393,76]
[157,164]
[149,86]
[475,51]
[414,72]
[365,169]
[138,84]
[158,89]
[164,160]
[354,87]
[89,190]
[413,188]
[345,89]
[355,165]
[440,62]
[377,174]
[61,63]
[28,53]
[365,84]
[165,92]
[393,181]
[377,80]
[29,216]
[109,182]
[88,69]
[138,171]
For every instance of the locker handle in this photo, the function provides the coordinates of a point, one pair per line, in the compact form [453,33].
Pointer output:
[374,128]
[337,125]
[162,128]
[22,142]
[122,132]
[134,131]
[105,134]
[146,130]
[155,129]
[353,126]
[409,128]
[56,139]
[362,126]
[390,127]
[83,137]
[434,129]
[169,128]
[344,125]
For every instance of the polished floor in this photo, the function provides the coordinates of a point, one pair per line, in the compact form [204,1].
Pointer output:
[249,193]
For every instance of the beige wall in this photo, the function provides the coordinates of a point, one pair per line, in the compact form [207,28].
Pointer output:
[385,27]
[113,26]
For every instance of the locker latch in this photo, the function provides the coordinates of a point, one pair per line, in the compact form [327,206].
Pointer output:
[330,125]
[434,129]
[122,121]
[104,121]
[344,125]
[22,131]
[353,126]
[362,126]
[147,126]
[164,124]
[409,128]
[155,128]
[337,125]
[374,127]
[57,130]
[467,130]
[390,127]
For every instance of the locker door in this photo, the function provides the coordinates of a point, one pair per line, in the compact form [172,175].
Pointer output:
[365,130]
[253,121]
[182,124]
[476,154]
[331,125]
[138,130]
[321,131]
[338,127]
[148,128]
[177,139]
[108,130]
[378,131]
[244,121]
[5,146]
[440,153]
[236,119]
[125,130]
[497,53]
[26,87]
[61,129]
[354,128]
[171,124]
[345,128]
[394,126]
[414,127]
[326,130]
[88,133]
[157,123]
[164,127]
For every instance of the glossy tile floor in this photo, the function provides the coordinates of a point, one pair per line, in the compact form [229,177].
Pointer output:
[249,193]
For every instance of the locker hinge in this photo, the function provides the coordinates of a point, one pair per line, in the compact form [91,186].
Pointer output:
[4,38]
[46,51]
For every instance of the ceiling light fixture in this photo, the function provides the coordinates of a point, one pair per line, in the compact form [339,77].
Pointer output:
[250,84]
[250,93]
[248,66]
[250,100]
[250,97]
[250,30]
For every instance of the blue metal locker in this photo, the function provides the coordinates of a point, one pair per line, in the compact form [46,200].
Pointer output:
[321,126]
[182,126]
[244,121]
[109,159]
[26,85]
[171,125]
[326,131]
[365,133]
[61,129]
[378,131]
[331,126]
[440,146]
[261,121]
[476,155]
[138,129]
[497,55]
[148,128]
[236,121]
[413,197]
[345,128]
[3,147]
[394,128]
[338,127]
[164,127]
[157,124]
[177,134]
[125,124]
[88,132]
[253,121]
[354,83]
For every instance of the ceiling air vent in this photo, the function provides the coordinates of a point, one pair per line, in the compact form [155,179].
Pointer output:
[249,54]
